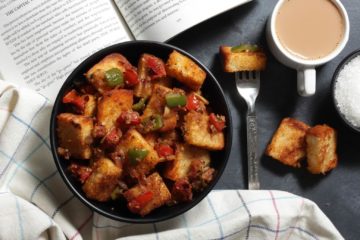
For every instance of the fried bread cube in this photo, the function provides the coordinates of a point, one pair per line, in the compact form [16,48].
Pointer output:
[184,156]
[196,130]
[151,67]
[111,105]
[96,74]
[145,87]
[147,196]
[74,134]
[90,105]
[103,180]
[157,101]
[157,106]
[288,143]
[151,70]
[321,149]
[185,70]
[242,61]
[170,119]
[151,138]
[134,140]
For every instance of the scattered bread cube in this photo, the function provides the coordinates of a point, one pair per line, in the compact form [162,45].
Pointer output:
[96,74]
[103,180]
[321,149]
[74,134]
[147,196]
[197,132]
[185,154]
[185,70]
[134,140]
[242,61]
[111,105]
[288,143]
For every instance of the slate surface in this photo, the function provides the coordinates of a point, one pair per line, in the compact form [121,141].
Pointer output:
[337,193]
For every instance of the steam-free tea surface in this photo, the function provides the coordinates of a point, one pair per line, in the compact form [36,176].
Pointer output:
[309,29]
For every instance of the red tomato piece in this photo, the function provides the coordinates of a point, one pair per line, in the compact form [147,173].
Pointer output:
[80,172]
[129,118]
[85,174]
[112,138]
[75,99]
[156,67]
[217,121]
[164,150]
[192,103]
[131,77]
[140,201]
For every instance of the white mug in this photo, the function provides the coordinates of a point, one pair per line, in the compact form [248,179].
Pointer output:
[306,74]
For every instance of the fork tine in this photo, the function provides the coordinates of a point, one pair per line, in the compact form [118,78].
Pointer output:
[258,75]
[237,76]
[243,75]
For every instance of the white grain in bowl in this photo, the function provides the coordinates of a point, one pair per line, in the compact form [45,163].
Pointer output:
[347,91]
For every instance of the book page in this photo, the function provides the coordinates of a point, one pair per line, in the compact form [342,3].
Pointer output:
[41,42]
[163,19]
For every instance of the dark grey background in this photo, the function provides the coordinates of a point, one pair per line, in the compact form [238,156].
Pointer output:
[337,193]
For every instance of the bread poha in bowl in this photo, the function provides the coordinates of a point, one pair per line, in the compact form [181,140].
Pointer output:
[141,131]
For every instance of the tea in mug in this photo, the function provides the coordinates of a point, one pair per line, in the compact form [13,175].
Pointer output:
[309,29]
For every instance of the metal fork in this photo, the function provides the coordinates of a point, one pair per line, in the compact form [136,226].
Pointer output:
[248,85]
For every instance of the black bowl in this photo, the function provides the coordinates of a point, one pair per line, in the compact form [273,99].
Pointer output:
[345,61]
[211,90]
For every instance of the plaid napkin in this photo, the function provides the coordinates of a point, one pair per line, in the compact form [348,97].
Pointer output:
[36,204]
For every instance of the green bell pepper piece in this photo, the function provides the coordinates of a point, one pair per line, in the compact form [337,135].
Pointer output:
[114,77]
[140,105]
[245,48]
[175,100]
[135,155]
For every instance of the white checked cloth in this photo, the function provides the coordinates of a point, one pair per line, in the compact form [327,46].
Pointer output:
[36,204]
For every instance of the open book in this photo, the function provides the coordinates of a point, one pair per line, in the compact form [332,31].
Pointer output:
[41,42]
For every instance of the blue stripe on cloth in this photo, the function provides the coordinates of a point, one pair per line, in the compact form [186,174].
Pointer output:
[61,205]
[156,231]
[112,226]
[231,234]
[284,230]
[305,231]
[216,217]
[6,155]
[248,203]
[31,174]
[27,158]
[22,139]
[248,212]
[40,183]
[239,231]
[186,226]
[269,230]
[20,165]
[18,212]
[33,130]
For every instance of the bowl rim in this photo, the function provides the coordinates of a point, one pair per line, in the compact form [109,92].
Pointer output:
[57,159]
[339,68]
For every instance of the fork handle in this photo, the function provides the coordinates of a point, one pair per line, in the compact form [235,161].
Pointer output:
[253,160]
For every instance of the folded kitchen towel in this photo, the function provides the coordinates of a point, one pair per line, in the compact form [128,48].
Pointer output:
[36,204]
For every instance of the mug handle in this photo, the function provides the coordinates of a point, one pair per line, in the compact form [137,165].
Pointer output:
[306,82]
